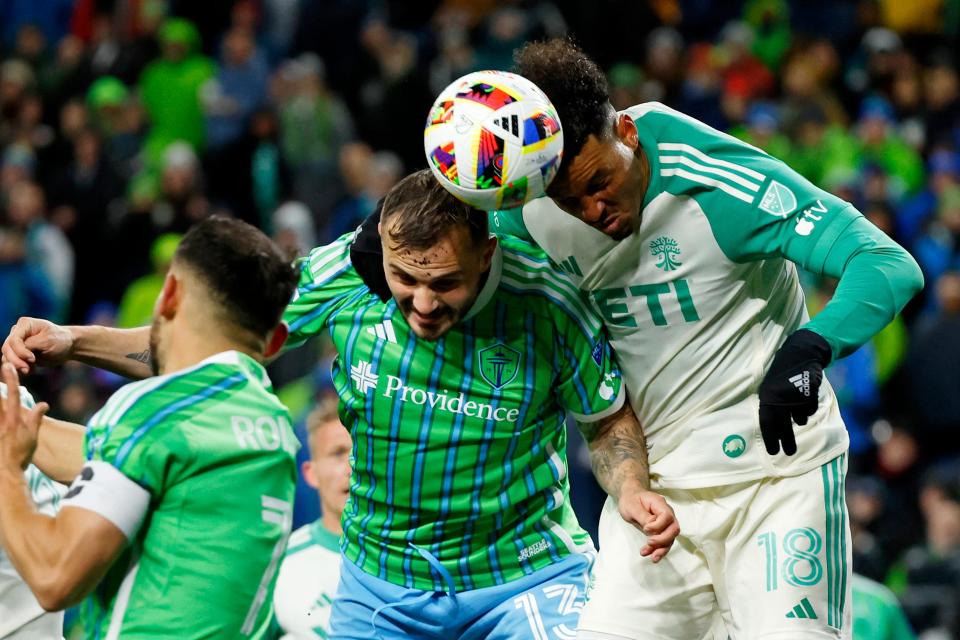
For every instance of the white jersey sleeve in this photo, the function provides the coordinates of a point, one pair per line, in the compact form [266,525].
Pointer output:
[21,616]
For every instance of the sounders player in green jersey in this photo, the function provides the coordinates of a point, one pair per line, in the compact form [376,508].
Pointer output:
[177,523]
[687,242]
[458,359]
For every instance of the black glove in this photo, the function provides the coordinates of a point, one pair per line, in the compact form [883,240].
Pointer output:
[791,389]
[366,254]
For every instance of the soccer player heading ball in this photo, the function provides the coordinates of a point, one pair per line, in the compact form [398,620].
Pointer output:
[687,242]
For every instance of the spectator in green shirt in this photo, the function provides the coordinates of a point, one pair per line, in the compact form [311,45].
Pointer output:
[170,88]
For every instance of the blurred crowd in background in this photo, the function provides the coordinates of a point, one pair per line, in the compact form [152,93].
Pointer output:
[122,122]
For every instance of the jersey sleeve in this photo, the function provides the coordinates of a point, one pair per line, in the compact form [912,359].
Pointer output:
[757,206]
[327,280]
[509,222]
[130,434]
[589,385]
[760,208]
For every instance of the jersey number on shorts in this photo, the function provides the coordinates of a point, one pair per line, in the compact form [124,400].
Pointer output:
[279,512]
[801,549]
[569,603]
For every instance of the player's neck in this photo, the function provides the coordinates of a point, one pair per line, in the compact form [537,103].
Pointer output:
[189,347]
[331,521]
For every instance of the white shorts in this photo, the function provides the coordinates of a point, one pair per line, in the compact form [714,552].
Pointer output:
[762,559]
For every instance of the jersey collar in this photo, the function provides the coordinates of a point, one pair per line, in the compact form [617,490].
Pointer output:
[490,286]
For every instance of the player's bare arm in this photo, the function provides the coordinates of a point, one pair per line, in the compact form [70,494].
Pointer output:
[618,455]
[35,342]
[59,452]
[61,558]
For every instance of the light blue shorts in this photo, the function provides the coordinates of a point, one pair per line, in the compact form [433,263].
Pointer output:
[544,605]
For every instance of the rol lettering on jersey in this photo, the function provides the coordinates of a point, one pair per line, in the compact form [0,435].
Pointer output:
[263,433]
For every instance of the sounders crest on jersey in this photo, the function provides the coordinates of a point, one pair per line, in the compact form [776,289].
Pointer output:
[493,140]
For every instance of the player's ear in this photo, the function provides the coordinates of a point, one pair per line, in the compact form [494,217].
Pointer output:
[626,130]
[169,299]
[275,340]
[488,250]
[306,468]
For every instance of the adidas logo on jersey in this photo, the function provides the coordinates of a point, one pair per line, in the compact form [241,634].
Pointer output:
[804,611]
[802,382]
[383,331]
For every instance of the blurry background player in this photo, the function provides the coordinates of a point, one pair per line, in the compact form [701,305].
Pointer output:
[21,616]
[688,241]
[177,523]
[311,567]
[465,527]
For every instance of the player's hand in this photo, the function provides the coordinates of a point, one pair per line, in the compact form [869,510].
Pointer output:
[649,512]
[33,342]
[18,425]
[791,389]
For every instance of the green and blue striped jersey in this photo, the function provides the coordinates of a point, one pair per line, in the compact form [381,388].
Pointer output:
[459,445]
[216,451]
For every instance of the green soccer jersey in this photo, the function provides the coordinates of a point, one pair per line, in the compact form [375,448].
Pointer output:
[214,451]
[459,445]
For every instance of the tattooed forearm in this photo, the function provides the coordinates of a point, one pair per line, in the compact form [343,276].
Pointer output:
[142,356]
[618,451]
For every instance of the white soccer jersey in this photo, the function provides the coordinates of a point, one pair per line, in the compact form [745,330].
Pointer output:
[698,300]
[307,583]
[21,617]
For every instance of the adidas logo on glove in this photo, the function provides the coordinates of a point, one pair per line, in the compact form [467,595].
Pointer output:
[802,382]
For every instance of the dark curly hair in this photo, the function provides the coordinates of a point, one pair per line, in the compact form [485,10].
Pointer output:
[575,85]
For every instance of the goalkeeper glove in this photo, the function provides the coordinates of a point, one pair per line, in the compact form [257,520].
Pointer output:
[791,389]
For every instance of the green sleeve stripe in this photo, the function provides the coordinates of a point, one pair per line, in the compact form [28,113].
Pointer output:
[556,280]
[706,181]
[740,184]
[159,416]
[523,286]
[323,256]
[552,281]
[700,155]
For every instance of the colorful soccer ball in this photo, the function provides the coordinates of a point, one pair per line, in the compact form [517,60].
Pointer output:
[493,140]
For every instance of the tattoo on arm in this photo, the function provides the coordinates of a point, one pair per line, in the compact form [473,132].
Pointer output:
[618,451]
[143,356]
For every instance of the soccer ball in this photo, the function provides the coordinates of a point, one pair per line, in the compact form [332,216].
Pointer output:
[493,140]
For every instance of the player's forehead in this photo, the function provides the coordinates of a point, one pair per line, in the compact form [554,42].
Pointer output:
[444,259]
[592,162]
[329,436]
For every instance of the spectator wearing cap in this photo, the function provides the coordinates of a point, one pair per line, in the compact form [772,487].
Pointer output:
[170,89]
[118,120]
[881,145]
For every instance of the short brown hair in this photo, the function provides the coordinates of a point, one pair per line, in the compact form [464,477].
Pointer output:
[426,212]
